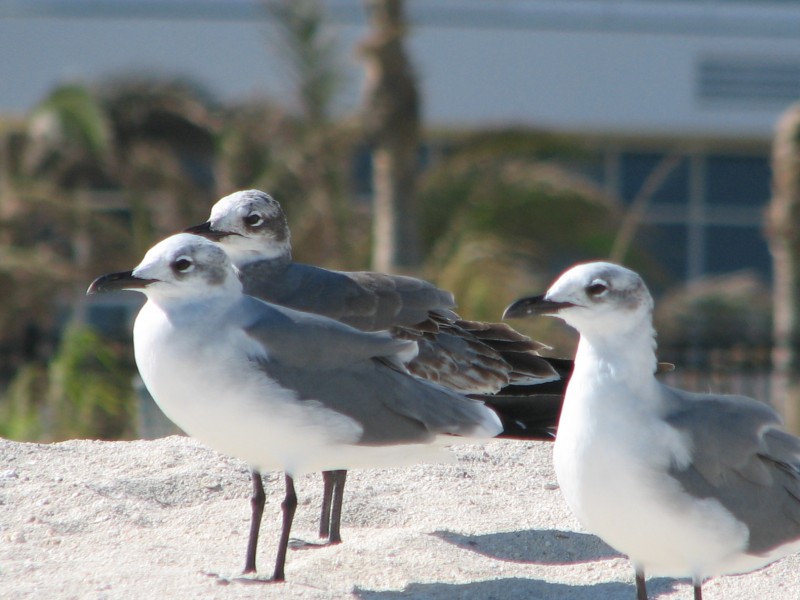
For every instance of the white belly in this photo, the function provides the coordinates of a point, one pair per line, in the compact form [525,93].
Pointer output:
[236,409]
[613,474]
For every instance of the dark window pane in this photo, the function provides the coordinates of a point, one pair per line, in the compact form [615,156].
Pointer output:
[734,248]
[361,170]
[637,167]
[738,180]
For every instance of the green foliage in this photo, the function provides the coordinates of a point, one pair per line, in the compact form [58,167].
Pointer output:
[90,393]
[84,392]
[68,139]
[23,406]
[71,115]
[173,111]
[502,216]
[534,207]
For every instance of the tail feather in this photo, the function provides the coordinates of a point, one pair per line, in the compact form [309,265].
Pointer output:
[522,385]
[527,418]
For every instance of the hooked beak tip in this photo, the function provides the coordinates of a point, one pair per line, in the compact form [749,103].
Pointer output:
[113,282]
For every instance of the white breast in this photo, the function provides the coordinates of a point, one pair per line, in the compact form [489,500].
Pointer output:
[224,400]
[611,459]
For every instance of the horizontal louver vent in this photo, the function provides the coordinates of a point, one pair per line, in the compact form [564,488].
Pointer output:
[746,80]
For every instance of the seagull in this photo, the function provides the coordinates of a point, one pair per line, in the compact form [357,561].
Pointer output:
[466,356]
[687,485]
[278,388]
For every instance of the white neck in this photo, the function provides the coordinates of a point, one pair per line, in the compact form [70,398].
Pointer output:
[242,254]
[180,306]
[628,358]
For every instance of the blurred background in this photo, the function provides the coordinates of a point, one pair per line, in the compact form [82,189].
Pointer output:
[484,145]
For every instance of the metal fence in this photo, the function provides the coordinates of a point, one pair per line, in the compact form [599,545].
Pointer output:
[743,370]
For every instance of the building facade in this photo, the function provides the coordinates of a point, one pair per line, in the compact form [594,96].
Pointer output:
[679,91]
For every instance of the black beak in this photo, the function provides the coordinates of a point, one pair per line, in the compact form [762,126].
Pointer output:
[204,230]
[535,305]
[114,282]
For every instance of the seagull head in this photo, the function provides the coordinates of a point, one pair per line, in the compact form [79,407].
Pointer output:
[250,225]
[594,298]
[181,266]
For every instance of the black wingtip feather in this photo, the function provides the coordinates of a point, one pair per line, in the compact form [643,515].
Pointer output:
[527,418]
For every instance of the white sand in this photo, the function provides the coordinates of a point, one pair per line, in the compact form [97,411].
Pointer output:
[153,519]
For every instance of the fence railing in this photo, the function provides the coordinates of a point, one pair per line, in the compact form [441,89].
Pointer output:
[743,370]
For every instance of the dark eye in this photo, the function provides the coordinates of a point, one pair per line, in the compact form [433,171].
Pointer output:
[183,264]
[253,220]
[596,289]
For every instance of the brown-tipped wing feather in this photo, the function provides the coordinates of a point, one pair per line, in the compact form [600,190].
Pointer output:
[467,356]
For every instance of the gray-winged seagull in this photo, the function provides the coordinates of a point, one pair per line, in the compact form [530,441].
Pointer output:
[466,356]
[687,485]
[279,388]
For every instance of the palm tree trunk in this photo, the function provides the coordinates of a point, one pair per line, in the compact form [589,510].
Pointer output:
[392,122]
[783,234]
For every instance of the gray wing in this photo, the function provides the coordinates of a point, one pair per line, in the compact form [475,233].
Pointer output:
[742,458]
[398,301]
[391,407]
[466,356]
[367,301]
[311,341]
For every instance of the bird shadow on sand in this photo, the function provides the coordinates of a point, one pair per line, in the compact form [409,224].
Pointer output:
[516,587]
[535,546]
[541,547]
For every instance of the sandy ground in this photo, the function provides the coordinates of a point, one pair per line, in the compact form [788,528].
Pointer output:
[169,519]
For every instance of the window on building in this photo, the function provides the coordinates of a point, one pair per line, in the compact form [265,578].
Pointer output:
[730,248]
[737,180]
[636,167]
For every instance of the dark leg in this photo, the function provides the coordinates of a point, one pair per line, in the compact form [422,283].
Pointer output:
[641,587]
[698,591]
[339,478]
[289,505]
[257,504]
[328,478]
